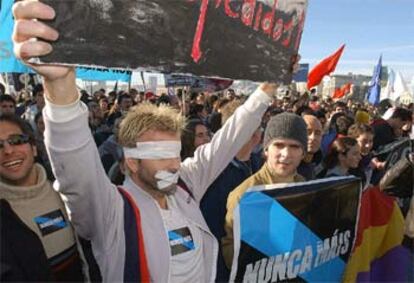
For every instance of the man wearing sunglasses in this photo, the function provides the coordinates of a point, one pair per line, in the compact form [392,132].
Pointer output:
[37,241]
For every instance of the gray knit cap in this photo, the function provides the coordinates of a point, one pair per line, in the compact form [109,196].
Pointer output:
[288,126]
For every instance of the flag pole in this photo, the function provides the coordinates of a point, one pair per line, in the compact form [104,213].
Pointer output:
[26,83]
[183,100]
[143,80]
[7,83]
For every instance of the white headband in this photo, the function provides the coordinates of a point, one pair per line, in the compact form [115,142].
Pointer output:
[154,150]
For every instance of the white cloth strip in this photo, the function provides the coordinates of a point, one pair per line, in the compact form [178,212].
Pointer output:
[154,150]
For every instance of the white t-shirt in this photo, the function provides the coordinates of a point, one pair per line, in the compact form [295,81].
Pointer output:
[186,245]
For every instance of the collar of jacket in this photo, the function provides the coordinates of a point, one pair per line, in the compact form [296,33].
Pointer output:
[11,192]
[268,177]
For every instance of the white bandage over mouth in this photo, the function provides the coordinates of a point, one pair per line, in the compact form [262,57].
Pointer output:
[154,150]
[166,179]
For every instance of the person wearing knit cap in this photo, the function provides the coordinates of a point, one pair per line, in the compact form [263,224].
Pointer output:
[285,144]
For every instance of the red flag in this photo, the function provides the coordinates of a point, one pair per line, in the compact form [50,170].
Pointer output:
[337,93]
[344,90]
[325,67]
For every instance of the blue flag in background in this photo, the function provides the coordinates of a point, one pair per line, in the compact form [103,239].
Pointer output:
[374,90]
[10,64]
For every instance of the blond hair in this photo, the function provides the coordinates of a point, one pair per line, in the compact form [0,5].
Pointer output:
[145,117]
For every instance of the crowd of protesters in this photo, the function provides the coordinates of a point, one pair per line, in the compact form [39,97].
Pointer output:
[332,139]
[136,171]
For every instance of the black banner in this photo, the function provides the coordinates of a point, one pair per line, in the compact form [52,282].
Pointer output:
[22,81]
[237,39]
[395,151]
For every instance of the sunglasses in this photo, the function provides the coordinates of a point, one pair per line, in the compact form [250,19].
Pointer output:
[15,140]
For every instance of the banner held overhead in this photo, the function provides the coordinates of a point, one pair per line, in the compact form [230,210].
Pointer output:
[237,39]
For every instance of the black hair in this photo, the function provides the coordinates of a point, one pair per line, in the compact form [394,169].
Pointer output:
[37,89]
[6,97]
[188,137]
[195,110]
[339,146]
[163,99]
[342,125]
[122,97]
[339,104]
[19,122]
[402,114]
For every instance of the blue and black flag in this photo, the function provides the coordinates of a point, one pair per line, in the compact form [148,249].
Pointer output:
[301,232]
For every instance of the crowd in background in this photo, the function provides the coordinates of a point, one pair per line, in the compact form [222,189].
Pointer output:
[343,137]
[345,125]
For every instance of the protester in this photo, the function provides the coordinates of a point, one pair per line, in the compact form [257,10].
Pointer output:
[213,204]
[340,124]
[364,135]
[389,129]
[362,116]
[311,163]
[7,104]
[150,217]
[321,115]
[214,119]
[340,107]
[331,133]
[285,143]
[198,111]
[110,151]
[38,242]
[121,107]
[36,107]
[150,97]
[194,134]
[343,156]
[230,95]
[104,105]
[42,158]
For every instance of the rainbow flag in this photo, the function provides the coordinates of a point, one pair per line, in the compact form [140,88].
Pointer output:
[378,253]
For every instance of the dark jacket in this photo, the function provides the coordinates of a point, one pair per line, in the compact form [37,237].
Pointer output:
[23,257]
[399,181]
[309,169]
[383,133]
[213,204]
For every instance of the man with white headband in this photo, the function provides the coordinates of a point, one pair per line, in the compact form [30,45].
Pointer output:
[151,229]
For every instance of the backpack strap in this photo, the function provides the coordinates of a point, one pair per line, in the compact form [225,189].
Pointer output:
[136,267]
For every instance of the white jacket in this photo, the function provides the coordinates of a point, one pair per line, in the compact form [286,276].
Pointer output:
[96,207]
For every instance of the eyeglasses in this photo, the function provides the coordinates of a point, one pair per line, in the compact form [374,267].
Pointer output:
[17,139]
